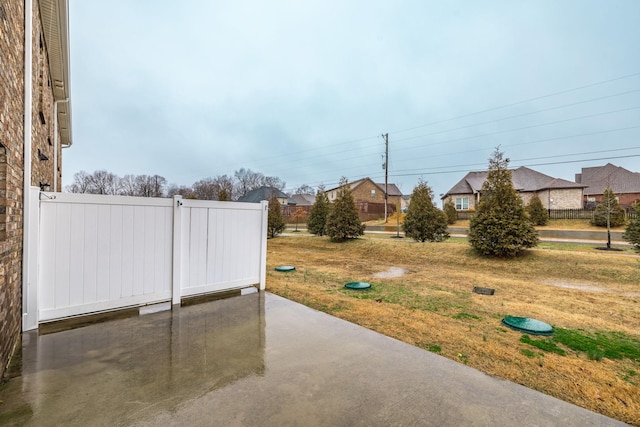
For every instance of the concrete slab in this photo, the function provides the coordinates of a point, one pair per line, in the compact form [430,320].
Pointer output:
[259,360]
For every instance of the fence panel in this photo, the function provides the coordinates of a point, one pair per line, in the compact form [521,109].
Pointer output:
[102,252]
[97,253]
[221,245]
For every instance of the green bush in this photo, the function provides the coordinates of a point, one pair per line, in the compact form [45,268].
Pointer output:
[317,221]
[343,222]
[538,215]
[424,221]
[451,212]
[632,232]
[500,226]
[275,220]
[608,210]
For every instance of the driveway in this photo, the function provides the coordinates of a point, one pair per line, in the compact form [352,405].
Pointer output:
[259,360]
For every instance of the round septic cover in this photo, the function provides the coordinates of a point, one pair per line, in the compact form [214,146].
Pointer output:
[285,268]
[357,285]
[530,326]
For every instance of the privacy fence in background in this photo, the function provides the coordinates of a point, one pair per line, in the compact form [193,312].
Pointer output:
[97,253]
[586,214]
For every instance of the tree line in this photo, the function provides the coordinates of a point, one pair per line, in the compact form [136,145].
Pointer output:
[220,187]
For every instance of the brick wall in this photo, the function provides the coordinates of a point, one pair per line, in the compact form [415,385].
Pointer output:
[11,156]
[11,161]
[624,199]
[42,113]
[368,192]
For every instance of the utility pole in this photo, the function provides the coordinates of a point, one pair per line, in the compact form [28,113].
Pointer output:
[386,173]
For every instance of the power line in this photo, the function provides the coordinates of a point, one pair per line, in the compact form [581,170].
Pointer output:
[279,156]
[519,102]
[528,164]
[521,115]
[535,141]
[588,116]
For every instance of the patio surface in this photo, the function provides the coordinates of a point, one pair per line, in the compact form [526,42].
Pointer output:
[258,360]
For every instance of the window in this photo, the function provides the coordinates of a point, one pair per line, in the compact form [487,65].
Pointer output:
[462,203]
[591,199]
[373,194]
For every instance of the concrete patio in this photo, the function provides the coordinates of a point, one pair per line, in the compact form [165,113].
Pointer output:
[258,360]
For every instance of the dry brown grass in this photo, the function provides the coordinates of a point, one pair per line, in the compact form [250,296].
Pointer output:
[431,306]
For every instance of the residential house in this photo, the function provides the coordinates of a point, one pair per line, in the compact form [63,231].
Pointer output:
[303,201]
[624,183]
[369,197]
[365,190]
[265,193]
[555,193]
[35,119]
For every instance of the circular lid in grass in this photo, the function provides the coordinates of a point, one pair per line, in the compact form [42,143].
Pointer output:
[285,268]
[527,325]
[357,285]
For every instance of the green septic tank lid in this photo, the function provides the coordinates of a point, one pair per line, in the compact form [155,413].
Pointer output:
[357,285]
[527,325]
[285,268]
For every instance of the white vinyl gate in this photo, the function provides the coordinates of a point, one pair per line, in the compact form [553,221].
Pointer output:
[95,253]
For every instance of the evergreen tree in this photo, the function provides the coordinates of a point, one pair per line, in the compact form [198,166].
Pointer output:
[275,220]
[538,215]
[317,221]
[500,226]
[424,221]
[632,232]
[608,210]
[608,213]
[343,222]
[451,212]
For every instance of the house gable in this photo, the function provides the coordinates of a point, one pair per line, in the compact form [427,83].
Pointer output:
[466,193]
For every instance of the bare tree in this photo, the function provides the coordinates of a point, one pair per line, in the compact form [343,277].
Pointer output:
[225,187]
[273,181]
[247,180]
[128,185]
[103,182]
[205,189]
[304,189]
[181,190]
[81,183]
[150,186]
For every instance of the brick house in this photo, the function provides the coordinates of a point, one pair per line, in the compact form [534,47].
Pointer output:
[555,193]
[35,119]
[369,197]
[624,183]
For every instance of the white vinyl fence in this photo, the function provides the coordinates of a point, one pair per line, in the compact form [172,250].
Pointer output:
[97,253]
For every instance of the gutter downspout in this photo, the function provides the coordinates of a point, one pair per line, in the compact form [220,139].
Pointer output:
[26,190]
[55,142]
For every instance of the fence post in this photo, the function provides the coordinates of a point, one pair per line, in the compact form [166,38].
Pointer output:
[176,282]
[263,244]
[31,253]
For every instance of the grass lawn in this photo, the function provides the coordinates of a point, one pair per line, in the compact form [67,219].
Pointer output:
[590,297]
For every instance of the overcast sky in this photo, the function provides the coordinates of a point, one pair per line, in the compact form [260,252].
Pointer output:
[303,90]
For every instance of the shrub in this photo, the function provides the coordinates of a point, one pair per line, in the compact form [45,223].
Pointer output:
[317,221]
[632,232]
[451,212]
[500,226]
[538,215]
[343,222]
[608,211]
[424,221]
[275,220]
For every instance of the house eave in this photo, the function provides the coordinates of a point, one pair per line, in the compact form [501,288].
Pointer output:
[55,28]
